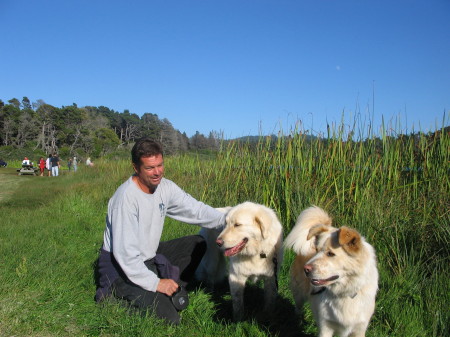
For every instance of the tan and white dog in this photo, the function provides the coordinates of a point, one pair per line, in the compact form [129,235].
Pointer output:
[336,270]
[253,242]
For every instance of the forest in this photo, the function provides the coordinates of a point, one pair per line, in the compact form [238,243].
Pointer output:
[42,128]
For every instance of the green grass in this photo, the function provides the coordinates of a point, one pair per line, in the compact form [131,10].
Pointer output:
[51,230]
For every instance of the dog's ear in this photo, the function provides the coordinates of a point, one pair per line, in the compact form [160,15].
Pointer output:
[260,224]
[350,240]
[316,230]
[263,220]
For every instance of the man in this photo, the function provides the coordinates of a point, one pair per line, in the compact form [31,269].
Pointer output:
[54,163]
[48,164]
[25,162]
[133,264]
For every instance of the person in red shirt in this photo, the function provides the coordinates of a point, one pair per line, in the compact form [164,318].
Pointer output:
[42,166]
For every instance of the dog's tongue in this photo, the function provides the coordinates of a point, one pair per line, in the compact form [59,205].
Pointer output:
[317,282]
[236,249]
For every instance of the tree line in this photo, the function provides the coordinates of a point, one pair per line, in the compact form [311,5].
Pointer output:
[89,130]
[41,128]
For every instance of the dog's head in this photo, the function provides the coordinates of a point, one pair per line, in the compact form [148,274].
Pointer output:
[247,226]
[339,254]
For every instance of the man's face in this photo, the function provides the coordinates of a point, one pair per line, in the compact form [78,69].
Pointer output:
[150,171]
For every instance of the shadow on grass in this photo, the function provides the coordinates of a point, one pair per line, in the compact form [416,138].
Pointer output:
[281,321]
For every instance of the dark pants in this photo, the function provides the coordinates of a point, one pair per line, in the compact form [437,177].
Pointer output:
[185,253]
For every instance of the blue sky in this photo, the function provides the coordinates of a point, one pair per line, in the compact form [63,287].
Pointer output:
[240,67]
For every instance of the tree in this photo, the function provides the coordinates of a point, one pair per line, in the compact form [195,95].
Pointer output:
[183,142]
[130,127]
[198,141]
[26,104]
[105,141]
[214,139]
[168,137]
[7,131]
[10,118]
[27,129]
[14,102]
[150,126]
[46,138]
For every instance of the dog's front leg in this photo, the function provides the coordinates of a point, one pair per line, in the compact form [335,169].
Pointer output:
[237,285]
[325,330]
[270,293]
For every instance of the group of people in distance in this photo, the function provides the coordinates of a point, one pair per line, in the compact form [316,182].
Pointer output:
[52,164]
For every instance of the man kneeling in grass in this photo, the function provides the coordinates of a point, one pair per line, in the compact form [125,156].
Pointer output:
[133,264]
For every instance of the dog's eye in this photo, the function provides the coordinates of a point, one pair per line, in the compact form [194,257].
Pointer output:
[237,224]
[330,254]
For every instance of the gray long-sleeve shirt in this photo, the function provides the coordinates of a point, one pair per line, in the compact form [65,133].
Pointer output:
[135,222]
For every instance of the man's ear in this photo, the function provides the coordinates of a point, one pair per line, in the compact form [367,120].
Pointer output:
[135,168]
[350,240]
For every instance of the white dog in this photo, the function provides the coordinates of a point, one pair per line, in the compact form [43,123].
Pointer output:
[335,269]
[253,241]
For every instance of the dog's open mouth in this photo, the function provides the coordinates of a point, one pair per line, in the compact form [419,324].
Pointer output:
[236,249]
[316,282]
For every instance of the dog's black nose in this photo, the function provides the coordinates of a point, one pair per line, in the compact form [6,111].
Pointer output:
[307,268]
[219,242]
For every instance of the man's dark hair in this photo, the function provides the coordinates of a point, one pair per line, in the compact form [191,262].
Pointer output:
[145,147]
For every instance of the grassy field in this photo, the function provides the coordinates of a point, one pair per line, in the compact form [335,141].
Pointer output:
[395,191]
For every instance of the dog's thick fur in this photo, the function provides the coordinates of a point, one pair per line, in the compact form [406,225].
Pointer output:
[335,269]
[253,241]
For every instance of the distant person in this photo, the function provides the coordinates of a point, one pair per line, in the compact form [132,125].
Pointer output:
[89,162]
[69,163]
[48,164]
[75,164]
[134,265]
[3,163]
[25,162]
[55,165]
[41,166]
